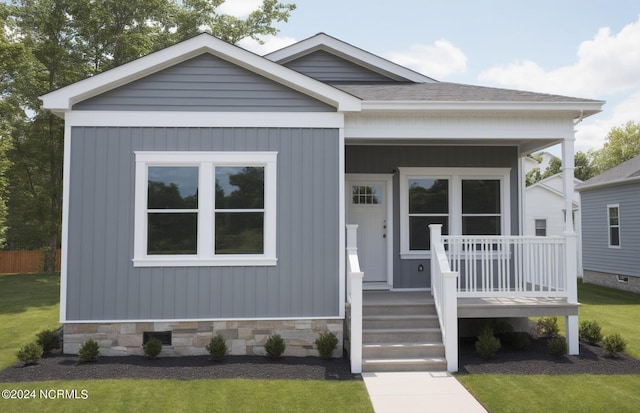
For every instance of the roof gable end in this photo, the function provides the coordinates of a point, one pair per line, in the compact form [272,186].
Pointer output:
[62,100]
[352,54]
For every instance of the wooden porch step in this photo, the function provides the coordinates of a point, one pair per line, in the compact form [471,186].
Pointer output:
[400,321]
[402,350]
[404,364]
[402,335]
[371,309]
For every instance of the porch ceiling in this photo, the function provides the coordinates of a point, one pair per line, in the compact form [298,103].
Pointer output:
[525,146]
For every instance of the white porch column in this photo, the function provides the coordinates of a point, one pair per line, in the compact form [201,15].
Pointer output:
[571,270]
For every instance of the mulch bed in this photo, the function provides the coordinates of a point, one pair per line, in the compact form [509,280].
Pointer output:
[536,360]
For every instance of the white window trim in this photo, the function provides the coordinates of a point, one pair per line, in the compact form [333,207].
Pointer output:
[546,225]
[455,177]
[609,206]
[207,161]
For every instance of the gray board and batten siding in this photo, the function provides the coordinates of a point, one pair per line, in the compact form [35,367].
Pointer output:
[102,283]
[326,67]
[204,83]
[596,253]
[365,159]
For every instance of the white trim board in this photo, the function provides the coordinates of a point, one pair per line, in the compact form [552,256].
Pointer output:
[204,119]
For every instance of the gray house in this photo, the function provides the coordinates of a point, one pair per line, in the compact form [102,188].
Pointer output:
[208,190]
[611,227]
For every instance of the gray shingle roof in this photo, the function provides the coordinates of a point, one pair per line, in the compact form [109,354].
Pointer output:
[625,172]
[448,92]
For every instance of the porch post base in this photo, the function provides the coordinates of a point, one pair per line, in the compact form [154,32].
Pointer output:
[572,334]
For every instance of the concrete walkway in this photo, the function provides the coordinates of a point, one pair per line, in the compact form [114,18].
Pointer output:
[419,392]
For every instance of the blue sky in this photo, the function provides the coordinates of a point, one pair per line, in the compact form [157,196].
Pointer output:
[586,48]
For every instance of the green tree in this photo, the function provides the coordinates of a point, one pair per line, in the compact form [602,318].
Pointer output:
[584,167]
[48,44]
[621,144]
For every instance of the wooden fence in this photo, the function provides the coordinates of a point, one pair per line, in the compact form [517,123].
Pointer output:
[24,261]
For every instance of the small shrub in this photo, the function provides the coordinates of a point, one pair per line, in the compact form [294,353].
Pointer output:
[520,341]
[557,346]
[487,345]
[547,327]
[152,347]
[590,332]
[614,344]
[275,346]
[30,353]
[49,340]
[217,347]
[326,343]
[89,351]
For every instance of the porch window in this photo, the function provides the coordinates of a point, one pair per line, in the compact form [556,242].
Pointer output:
[466,201]
[428,204]
[205,208]
[614,225]
[541,227]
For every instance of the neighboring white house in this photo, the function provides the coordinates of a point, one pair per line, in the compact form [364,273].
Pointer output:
[545,211]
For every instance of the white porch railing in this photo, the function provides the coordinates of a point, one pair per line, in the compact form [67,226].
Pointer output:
[354,297]
[508,266]
[443,289]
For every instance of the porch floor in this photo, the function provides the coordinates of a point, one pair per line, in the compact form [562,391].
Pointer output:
[486,307]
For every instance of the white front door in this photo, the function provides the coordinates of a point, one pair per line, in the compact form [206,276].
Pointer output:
[367,206]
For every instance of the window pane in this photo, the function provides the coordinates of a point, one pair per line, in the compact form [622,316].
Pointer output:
[239,233]
[428,196]
[480,196]
[240,187]
[614,236]
[173,187]
[613,216]
[481,225]
[419,237]
[171,233]
[366,195]
[541,227]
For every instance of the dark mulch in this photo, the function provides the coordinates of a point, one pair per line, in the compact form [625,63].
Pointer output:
[536,360]
[67,367]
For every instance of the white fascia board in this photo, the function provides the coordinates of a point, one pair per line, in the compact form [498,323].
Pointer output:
[63,99]
[205,119]
[348,52]
[583,109]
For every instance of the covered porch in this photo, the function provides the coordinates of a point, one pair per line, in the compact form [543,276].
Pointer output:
[472,277]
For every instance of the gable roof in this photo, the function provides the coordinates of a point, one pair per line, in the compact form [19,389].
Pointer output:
[552,184]
[627,172]
[322,41]
[62,100]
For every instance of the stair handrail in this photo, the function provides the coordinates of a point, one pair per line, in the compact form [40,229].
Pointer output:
[354,297]
[445,296]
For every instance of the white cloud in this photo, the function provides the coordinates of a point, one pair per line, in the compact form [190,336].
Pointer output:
[239,8]
[271,44]
[607,64]
[591,133]
[438,60]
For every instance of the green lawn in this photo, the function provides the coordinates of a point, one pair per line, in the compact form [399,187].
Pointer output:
[29,303]
[616,312]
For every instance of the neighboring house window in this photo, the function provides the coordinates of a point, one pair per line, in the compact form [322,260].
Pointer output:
[205,209]
[614,225]
[541,227]
[465,201]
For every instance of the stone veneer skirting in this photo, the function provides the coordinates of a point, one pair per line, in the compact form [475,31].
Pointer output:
[245,337]
[611,280]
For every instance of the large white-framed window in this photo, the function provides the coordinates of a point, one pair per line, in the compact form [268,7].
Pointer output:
[205,209]
[466,201]
[613,224]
